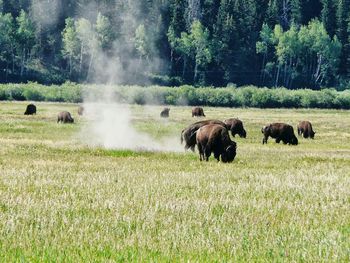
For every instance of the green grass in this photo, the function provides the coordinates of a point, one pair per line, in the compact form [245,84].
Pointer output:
[63,201]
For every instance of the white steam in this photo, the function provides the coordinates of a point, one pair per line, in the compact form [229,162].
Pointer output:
[109,123]
[46,12]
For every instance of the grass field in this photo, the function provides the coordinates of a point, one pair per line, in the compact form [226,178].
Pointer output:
[63,201]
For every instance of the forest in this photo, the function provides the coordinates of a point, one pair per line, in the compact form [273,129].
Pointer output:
[267,43]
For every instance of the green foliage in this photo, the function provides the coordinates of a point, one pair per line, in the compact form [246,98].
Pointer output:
[249,96]
[201,43]
[71,45]
[306,55]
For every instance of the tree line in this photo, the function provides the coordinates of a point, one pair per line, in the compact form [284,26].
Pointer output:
[290,43]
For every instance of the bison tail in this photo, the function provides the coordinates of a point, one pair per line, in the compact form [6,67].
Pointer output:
[182,137]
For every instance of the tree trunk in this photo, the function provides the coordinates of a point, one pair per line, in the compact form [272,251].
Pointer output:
[90,64]
[184,67]
[278,75]
[195,77]
[262,74]
[70,65]
[81,59]
[22,62]
[7,70]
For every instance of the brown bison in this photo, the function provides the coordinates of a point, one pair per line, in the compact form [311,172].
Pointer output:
[165,113]
[30,110]
[189,134]
[236,127]
[305,129]
[198,112]
[64,117]
[214,138]
[81,110]
[281,132]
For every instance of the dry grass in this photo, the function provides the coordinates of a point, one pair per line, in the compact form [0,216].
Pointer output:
[62,201]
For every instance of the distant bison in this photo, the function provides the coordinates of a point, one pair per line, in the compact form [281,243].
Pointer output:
[198,112]
[30,110]
[236,127]
[64,117]
[189,134]
[165,113]
[214,138]
[81,110]
[305,129]
[281,132]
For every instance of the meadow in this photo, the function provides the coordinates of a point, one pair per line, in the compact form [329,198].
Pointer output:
[62,200]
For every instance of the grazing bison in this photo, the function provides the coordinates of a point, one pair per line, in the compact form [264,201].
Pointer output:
[81,110]
[64,117]
[305,129]
[281,132]
[236,127]
[198,112]
[214,138]
[189,134]
[30,110]
[165,113]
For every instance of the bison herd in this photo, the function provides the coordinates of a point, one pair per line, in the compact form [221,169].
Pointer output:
[212,136]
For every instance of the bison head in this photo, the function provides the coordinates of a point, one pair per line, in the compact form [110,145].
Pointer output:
[294,141]
[229,154]
[243,133]
[312,134]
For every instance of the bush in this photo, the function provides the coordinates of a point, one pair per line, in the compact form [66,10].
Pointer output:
[249,96]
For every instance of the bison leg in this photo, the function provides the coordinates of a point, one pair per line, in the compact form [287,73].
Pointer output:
[278,140]
[207,153]
[306,135]
[265,139]
[217,156]
[200,150]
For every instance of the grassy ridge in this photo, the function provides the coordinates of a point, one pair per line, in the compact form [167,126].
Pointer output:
[65,202]
[184,95]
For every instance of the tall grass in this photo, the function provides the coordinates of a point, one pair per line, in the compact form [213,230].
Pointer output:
[185,95]
[62,201]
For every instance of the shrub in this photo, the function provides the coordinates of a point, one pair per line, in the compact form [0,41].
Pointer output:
[249,96]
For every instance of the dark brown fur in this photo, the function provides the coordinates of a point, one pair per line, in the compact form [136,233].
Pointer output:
[30,110]
[81,110]
[305,129]
[189,134]
[281,132]
[165,113]
[236,127]
[214,138]
[64,117]
[198,112]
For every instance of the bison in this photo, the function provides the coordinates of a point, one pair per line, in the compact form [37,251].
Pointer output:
[30,110]
[165,113]
[281,132]
[214,138]
[189,134]
[198,112]
[236,127]
[305,128]
[81,110]
[64,117]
